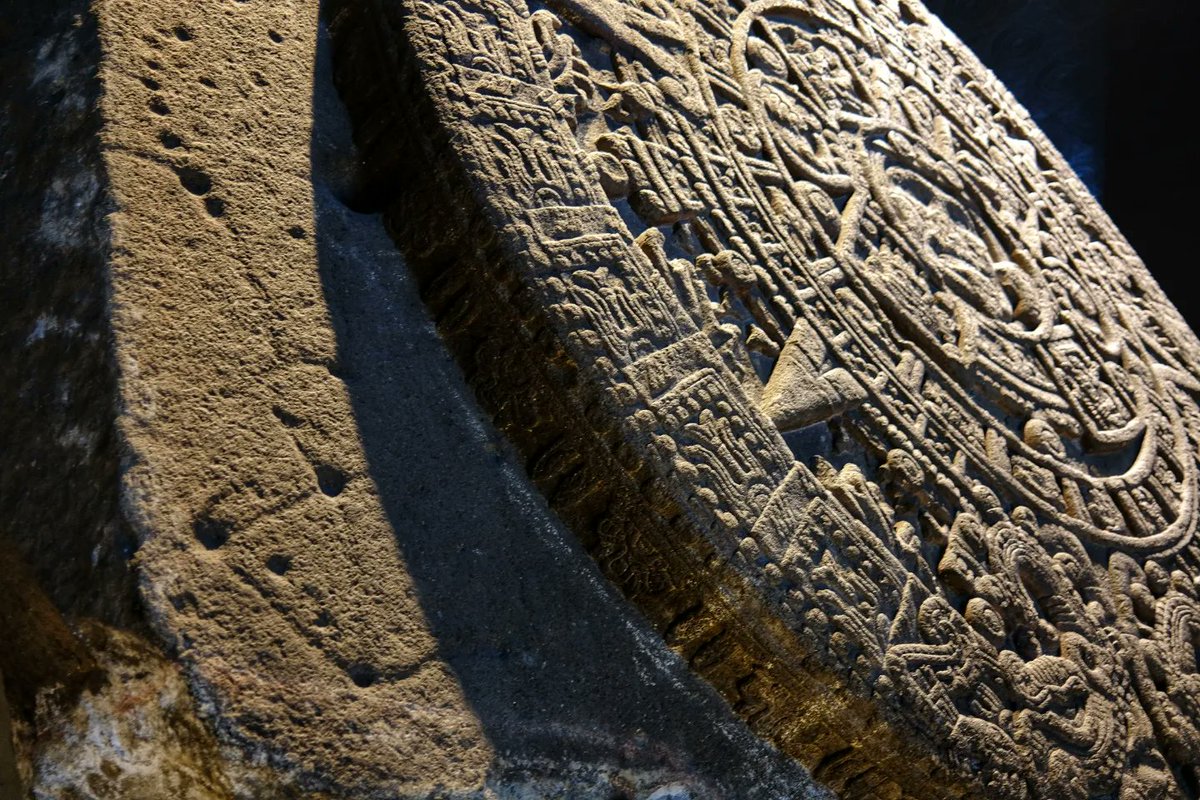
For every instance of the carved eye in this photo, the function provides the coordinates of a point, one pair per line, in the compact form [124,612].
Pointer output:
[984,618]
[766,58]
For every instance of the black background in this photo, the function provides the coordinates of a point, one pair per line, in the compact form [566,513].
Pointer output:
[1112,83]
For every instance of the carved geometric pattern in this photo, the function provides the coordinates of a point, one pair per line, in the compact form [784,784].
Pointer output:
[840,310]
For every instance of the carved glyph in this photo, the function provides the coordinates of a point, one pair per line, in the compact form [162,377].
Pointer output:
[880,344]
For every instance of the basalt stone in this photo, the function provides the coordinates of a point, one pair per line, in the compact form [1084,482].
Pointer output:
[828,359]
[272,546]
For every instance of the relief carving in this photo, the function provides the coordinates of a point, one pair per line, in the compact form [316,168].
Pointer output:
[873,340]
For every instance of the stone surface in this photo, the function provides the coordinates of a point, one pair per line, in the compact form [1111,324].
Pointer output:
[828,358]
[822,354]
[346,587]
[266,560]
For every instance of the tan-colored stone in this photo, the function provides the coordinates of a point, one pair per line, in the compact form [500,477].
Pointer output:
[364,596]
[286,599]
[830,361]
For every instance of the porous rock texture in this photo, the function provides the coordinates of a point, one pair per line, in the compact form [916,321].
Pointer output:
[264,543]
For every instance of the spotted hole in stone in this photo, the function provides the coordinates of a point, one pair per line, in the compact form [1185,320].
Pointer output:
[212,533]
[150,83]
[279,564]
[363,675]
[181,601]
[275,37]
[152,64]
[169,140]
[159,106]
[194,180]
[331,479]
[323,620]
[208,82]
[296,232]
[288,420]
[183,34]
[259,79]
[215,206]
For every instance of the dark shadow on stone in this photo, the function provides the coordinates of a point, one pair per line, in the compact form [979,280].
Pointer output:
[60,478]
[559,670]
[10,782]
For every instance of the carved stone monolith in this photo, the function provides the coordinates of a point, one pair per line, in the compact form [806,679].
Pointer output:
[257,541]
[830,361]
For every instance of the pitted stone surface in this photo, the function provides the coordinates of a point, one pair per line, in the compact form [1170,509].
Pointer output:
[831,362]
[285,599]
[365,597]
